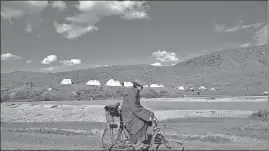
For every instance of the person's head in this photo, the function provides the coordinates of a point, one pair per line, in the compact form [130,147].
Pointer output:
[138,85]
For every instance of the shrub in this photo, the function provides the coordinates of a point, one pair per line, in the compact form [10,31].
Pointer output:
[261,114]
[48,97]
[164,93]
[78,93]
[119,93]
[150,93]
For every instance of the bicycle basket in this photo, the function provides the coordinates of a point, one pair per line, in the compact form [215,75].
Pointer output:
[110,115]
[109,118]
[113,111]
[111,121]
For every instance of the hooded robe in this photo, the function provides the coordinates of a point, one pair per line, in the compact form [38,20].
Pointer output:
[134,115]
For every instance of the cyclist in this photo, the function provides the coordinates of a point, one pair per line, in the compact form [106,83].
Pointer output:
[136,117]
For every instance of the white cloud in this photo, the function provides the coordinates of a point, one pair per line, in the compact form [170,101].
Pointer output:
[205,50]
[135,15]
[261,36]
[250,27]
[246,45]
[99,9]
[164,56]
[49,69]
[71,62]
[9,13]
[49,59]
[233,29]
[28,61]
[29,29]
[58,4]
[239,27]
[219,28]
[191,54]
[29,10]
[97,66]
[157,64]
[93,11]
[253,26]
[71,31]
[16,9]
[9,56]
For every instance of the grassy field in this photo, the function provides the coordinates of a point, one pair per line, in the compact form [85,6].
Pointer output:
[83,92]
[78,124]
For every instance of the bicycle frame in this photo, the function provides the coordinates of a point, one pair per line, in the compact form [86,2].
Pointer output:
[122,128]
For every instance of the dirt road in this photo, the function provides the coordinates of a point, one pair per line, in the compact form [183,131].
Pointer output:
[55,125]
[86,136]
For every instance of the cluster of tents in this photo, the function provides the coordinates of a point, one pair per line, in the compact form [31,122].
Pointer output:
[111,82]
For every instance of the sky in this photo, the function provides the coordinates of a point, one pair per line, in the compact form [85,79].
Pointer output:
[68,35]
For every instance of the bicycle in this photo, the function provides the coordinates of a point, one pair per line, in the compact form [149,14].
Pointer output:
[113,111]
[120,139]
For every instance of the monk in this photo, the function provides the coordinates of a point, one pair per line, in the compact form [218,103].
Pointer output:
[136,117]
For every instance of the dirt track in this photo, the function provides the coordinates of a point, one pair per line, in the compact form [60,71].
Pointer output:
[82,136]
[200,132]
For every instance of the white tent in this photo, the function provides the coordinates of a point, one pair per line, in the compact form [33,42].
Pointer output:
[146,86]
[113,82]
[156,85]
[93,82]
[66,81]
[265,93]
[212,89]
[180,88]
[128,84]
[202,88]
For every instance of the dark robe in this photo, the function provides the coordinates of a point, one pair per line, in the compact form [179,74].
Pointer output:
[134,115]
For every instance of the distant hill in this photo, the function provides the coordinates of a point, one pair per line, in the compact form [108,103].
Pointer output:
[233,68]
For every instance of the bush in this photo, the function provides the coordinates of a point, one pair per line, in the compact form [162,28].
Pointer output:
[164,93]
[92,93]
[150,93]
[48,97]
[5,95]
[119,93]
[261,114]
[78,93]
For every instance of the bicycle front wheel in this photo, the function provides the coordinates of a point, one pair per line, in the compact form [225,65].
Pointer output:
[122,145]
[108,137]
[168,139]
[171,145]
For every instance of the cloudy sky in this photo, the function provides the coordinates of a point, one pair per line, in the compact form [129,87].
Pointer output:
[65,35]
